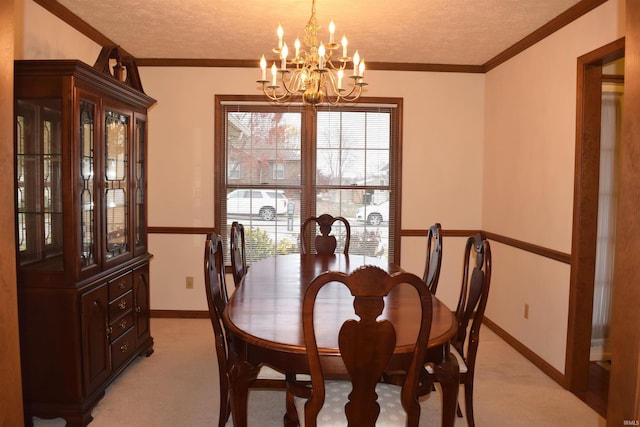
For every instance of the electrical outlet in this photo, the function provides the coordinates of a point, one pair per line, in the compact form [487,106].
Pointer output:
[189,282]
[526,311]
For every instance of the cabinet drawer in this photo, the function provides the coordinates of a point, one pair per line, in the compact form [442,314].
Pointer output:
[122,348]
[121,325]
[120,286]
[120,306]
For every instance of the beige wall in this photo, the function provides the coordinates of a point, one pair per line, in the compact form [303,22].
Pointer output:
[528,177]
[40,35]
[443,126]
[490,151]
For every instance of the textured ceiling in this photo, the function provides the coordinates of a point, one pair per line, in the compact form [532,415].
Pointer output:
[465,32]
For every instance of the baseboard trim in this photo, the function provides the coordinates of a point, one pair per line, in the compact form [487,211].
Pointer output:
[179,314]
[528,354]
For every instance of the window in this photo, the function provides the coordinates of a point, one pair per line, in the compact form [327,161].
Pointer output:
[278,170]
[277,165]
[234,170]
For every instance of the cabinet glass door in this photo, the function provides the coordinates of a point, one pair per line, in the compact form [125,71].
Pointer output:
[39,184]
[87,189]
[140,225]
[116,176]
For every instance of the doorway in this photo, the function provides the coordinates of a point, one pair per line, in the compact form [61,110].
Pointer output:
[588,304]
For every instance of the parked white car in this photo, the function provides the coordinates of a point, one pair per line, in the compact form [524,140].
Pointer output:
[374,214]
[265,203]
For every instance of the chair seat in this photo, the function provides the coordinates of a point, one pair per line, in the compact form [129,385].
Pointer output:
[268,373]
[332,413]
[461,362]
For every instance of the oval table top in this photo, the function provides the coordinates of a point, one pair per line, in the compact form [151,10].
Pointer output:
[266,309]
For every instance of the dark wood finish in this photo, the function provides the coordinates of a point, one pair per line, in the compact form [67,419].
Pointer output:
[624,392]
[215,287]
[324,243]
[250,63]
[529,247]
[238,252]
[83,323]
[366,345]
[410,232]
[585,212]
[179,314]
[472,303]
[264,316]
[597,393]
[217,298]
[434,257]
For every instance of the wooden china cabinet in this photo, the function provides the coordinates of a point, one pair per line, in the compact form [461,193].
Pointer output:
[81,230]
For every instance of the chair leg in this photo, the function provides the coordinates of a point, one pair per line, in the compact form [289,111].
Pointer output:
[291,416]
[468,403]
[225,409]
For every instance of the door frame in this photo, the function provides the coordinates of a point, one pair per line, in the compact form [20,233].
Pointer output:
[585,211]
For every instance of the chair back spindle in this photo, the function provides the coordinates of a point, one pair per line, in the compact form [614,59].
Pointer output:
[324,243]
[434,257]
[238,252]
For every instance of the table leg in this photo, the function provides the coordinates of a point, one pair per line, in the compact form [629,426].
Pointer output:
[447,373]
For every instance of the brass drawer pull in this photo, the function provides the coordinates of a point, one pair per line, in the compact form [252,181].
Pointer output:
[124,347]
[121,285]
[123,324]
[122,304]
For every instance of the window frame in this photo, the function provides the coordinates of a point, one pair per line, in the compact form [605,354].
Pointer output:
[308,145]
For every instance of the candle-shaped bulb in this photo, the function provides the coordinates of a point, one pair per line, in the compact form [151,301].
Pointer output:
[332,29]
[283,54]
[274,73]
[297,45]
[356,61]
[321,52]
[280,34]
[263,67]
[340,75]
[361,71]
[344,46]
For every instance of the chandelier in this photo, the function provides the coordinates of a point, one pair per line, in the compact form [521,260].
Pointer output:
[316,71]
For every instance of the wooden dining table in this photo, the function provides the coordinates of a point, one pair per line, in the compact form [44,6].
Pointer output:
[264,321]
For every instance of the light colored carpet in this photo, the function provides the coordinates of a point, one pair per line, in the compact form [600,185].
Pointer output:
[178,386]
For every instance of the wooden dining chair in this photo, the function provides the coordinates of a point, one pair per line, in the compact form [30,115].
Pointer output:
[474,292]
[238,252]
[434,257]
[324,243]
[216,291]
[366,346]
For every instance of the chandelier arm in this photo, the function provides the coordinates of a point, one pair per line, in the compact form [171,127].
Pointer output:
[343,64]
[294,82]
[341,94]
[274,95]
[349,98]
